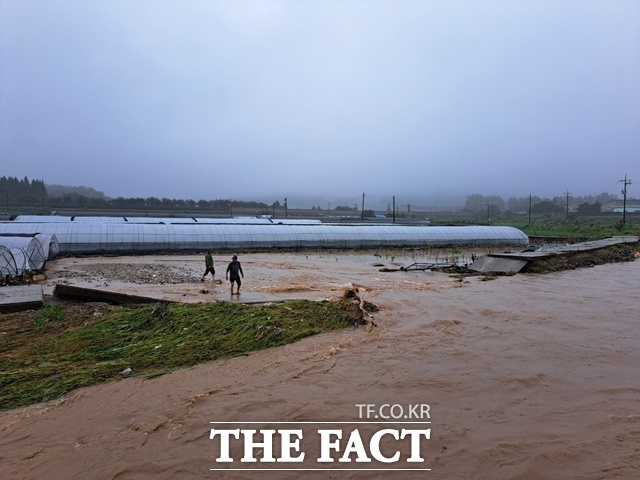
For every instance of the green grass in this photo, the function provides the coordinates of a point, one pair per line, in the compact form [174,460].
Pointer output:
[589,228]
[54,351]
[592,227]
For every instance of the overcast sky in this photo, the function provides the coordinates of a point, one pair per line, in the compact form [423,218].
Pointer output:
[208,99]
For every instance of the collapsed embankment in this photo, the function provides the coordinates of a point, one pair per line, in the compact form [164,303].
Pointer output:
[625,252]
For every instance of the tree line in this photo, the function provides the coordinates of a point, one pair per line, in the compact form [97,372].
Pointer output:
[22,191]
[33,193]
[588,204]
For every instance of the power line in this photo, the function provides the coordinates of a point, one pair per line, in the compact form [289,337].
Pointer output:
[611,188]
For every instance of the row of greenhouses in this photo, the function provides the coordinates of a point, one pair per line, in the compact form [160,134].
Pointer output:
[126,237]
[264,220]
[22,252]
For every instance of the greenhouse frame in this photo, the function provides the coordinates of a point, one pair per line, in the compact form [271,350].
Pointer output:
[75,237]
[49,244]
[28,252]
[8,265]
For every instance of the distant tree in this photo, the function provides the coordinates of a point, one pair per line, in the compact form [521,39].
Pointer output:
[589,208]
[547,207]
[153,202]
[71,200]
[120,202]
[521,204]
[96,202]
[477,202]
[38,189]
[22,192]
[605,197]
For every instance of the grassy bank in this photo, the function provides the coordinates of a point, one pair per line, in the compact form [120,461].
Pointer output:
[587,228]
[50,352]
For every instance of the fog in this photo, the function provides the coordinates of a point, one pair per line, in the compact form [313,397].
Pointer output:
[320,101]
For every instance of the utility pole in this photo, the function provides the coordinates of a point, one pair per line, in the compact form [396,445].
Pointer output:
[625,183]
[286,208]
[393,215]
[567,194]
[362,207]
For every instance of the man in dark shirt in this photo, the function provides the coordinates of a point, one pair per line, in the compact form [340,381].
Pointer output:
[234,271]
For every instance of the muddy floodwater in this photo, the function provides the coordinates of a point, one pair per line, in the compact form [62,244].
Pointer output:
[525,377]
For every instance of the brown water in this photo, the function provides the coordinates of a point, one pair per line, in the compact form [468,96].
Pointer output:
[527,377]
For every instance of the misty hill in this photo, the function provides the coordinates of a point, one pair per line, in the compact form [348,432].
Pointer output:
[54,191]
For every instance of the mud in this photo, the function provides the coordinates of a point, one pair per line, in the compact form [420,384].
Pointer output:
[526,376]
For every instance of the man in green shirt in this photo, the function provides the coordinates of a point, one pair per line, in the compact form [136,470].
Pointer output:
[208,263]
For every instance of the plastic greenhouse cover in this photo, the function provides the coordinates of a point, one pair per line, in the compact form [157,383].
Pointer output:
[163,220]
[20,257]
[7,262]
[106,237]
[49,244]
[32,248]
[42,219]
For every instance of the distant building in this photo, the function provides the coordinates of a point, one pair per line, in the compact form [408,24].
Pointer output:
[617,206]
[630,209]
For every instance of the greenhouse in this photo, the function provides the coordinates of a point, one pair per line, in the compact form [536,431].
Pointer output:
[125,237]
[165,220]
[49,244]
[27,251]
[8,265]
[20,259]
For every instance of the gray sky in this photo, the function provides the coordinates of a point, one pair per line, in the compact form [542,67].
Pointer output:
[263,100]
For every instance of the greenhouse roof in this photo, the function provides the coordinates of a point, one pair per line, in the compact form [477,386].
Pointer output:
[162,220]
[114,237]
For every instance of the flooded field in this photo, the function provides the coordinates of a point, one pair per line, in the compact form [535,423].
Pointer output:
[526,376]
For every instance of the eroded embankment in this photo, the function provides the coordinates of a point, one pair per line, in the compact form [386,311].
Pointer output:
[571,260]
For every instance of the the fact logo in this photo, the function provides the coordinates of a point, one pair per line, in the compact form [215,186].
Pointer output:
[398,441]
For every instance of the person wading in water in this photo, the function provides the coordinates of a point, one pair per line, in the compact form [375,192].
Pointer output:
[208,263]
[234,271]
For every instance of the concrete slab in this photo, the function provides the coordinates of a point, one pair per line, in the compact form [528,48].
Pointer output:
[100,295]
[21,297]
[574,247]
[490,264]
